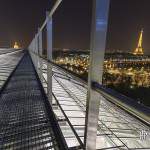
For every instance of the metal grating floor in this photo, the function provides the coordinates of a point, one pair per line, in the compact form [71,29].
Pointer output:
[25,119]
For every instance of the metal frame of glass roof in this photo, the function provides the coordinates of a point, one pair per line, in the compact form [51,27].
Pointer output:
[117,129]
[8,61]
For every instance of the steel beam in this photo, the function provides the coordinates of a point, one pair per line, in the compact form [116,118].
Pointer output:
[49,57]
[40,53]
[98,42]
[36,51]
[50,14]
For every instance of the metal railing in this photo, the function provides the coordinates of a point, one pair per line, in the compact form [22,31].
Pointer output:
[122,115]
[131,106]
[90,116]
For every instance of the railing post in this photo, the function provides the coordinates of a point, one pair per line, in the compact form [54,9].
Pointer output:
[98,41]
[49,57]
[40,53]
[36,51]
[31,49]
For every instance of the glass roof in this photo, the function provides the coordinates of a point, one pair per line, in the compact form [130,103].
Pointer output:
[117,129]
[8,61]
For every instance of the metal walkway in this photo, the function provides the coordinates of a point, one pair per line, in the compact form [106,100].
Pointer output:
[26,118]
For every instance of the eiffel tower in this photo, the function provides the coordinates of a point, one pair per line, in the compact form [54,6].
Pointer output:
[139,49]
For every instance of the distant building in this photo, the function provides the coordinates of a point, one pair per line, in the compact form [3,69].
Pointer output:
[139,50]
[16,46]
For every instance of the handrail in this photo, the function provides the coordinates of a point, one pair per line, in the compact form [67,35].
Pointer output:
[49,16]
[128,104]
[51,13]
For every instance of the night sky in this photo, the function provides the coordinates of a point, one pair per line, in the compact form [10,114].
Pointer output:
[20,19]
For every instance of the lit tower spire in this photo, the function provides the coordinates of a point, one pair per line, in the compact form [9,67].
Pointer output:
[139,49]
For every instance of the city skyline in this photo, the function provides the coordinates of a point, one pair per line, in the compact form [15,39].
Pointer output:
[72,29]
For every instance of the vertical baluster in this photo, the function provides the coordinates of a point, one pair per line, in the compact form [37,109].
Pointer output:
[49,57]
[98,41]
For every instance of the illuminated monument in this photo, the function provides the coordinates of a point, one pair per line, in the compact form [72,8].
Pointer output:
[16,46]
[139,49]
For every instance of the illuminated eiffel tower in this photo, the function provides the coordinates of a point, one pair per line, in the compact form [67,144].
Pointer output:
[139,49]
